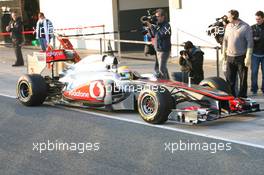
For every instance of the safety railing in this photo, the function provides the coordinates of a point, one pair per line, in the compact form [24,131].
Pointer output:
[58,30]
[216,48]
[63,31]
[102,40]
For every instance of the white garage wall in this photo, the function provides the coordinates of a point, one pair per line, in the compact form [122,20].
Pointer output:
[79,13]
[142,4]
[195,16]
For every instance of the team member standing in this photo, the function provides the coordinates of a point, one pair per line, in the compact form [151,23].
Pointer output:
[237,52]
[162,42]
[16,27]
[44,31]
[258,52]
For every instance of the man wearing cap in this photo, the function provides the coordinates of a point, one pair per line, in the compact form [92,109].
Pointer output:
[191,60]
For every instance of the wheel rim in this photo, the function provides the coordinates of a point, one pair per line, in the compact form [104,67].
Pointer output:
[149,105]
[24,91]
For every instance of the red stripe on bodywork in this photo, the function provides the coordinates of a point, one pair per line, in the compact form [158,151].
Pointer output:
[184,86]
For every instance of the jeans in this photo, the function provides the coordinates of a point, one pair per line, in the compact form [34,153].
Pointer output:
[161,65]
[237,82]
[236,65]
[43,44]
[256,61]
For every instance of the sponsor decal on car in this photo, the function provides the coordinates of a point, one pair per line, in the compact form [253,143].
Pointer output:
[97,89]
[55,55]
[94,91]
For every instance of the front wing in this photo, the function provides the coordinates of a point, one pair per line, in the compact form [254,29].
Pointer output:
[199,115]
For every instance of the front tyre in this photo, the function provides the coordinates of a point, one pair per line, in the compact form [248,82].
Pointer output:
[31,89]
[155,106]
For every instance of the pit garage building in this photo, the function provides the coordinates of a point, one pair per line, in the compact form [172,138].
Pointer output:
[188,18]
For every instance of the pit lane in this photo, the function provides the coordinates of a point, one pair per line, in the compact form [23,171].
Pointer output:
[243,129]
[129,145]
[125,147]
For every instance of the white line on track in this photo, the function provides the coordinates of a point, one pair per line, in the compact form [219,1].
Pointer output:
[168,128]
[9,96]
[259,100]
[157,126]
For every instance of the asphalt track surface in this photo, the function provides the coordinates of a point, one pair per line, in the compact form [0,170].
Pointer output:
[127,145]
[125,148]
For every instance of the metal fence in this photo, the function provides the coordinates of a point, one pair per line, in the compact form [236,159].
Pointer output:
[102,42]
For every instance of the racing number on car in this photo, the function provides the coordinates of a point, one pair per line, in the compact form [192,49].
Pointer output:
[97,89]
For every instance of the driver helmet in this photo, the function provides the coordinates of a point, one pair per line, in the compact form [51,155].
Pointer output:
[125,73]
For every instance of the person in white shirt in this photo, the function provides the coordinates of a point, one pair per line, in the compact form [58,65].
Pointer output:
[44,31]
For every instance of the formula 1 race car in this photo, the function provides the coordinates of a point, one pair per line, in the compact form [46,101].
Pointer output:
[97,81]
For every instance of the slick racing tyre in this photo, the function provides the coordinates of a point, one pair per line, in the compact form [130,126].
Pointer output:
[31,90]
[154,105]
[216,83]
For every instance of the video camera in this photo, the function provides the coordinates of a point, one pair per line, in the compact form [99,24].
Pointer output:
[187,46]
[150,17]
[217,29]
[184,53]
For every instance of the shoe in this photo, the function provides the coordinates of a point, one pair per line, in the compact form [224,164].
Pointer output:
[16,65]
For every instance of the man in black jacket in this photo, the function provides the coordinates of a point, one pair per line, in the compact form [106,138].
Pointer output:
[162,43]
[15,27]
[191,61]
[258,52]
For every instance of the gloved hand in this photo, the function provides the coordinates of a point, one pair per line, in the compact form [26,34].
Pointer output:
[223,55]
[248,57]
[224,65]
[224,59]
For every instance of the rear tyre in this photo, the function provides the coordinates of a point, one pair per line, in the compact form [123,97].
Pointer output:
[216,83]
[31,90]
[154,106]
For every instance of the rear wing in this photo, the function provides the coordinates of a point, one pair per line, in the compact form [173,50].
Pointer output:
[41,60]
[67,45]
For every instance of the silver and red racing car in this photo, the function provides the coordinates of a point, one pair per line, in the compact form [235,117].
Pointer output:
[97,81]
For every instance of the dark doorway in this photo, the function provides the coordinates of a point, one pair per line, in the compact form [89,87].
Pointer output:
[130,19]
[30,17]
[5,19]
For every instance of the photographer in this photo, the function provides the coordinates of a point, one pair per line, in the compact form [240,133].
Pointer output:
[186,67]
[162,42]
[191,61]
